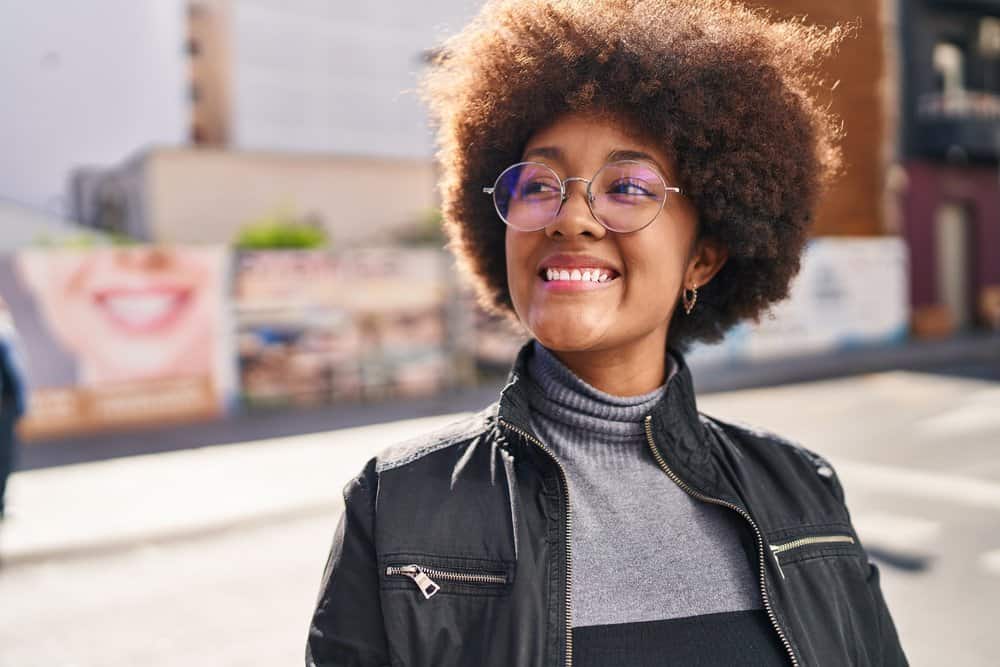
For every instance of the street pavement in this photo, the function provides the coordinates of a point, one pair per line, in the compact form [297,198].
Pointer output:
[212,556]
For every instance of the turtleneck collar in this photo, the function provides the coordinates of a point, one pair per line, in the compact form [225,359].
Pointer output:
[566,398]
[674,422]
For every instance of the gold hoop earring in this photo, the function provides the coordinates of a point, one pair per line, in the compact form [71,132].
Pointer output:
[689,303]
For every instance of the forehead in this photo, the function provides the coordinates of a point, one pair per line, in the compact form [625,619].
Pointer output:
[578,141]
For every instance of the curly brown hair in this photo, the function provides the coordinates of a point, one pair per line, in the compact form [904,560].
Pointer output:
[727,91]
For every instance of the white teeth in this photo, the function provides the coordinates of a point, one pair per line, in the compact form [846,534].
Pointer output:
[586,275]
[141,309]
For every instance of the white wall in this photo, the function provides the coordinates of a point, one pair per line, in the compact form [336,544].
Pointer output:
[327,75]
[85,83]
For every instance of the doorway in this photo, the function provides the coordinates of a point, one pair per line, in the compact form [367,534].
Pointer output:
[954,235]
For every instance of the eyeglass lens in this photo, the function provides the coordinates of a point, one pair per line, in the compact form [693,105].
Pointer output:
[627,195]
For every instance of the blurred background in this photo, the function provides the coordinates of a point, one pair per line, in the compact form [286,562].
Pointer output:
[223,288]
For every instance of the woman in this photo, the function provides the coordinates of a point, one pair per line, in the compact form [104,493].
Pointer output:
[624,178]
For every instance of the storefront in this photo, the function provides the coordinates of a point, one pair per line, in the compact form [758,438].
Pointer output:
[950,145]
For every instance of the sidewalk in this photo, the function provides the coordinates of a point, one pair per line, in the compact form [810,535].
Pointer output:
[91,508]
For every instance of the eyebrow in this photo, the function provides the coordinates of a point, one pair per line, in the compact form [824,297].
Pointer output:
[556,153]
[544,151]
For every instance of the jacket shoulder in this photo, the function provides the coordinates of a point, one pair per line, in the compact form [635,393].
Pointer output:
[453,433]
[741,435]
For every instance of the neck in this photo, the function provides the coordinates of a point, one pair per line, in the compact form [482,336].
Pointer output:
[620,371]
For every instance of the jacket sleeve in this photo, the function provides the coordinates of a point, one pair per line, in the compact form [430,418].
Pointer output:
[892,650]
[346,628]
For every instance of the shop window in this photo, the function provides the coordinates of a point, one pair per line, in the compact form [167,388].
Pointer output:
[989,52]
[989,37]
[949,68]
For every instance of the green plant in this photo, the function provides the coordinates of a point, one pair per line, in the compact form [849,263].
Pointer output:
[281,228]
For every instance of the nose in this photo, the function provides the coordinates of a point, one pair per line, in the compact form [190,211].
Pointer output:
[574,216]
[143,259]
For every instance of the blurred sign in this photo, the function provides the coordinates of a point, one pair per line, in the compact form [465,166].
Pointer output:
[849,292]
[315,326]
[295,343]
[114,336]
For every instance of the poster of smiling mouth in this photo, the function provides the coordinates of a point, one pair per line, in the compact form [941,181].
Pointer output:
[119,336]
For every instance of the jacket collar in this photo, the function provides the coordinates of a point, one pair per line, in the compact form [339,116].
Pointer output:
[676,426]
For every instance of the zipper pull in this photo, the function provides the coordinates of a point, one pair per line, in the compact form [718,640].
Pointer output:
[424,583]
[774,552]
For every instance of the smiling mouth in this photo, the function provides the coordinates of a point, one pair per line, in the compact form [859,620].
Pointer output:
[143,310]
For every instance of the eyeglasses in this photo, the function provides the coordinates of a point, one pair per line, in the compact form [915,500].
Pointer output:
[624,196]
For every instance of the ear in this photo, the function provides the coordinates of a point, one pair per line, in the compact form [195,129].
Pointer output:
[708,257]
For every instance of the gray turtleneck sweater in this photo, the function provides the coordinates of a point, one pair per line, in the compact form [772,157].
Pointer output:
[653,568]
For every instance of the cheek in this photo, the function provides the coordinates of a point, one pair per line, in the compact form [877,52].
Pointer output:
[519,273]
[654,273]
[653,289]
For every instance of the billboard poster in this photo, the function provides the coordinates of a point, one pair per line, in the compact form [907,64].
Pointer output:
[295,343]
[398,297]
[315,326]
[119,335]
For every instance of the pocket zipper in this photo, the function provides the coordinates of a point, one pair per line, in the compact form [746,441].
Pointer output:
[802,541]
[428,587]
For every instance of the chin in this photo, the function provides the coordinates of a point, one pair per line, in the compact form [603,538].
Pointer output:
[567,338]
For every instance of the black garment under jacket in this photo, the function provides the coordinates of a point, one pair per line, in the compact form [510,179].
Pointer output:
[481,508]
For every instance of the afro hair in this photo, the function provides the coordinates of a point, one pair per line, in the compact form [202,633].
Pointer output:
[727,91]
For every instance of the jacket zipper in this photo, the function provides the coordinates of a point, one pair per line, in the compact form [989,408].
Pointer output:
[802,541]
[569,527]
[742,512]
[421,576]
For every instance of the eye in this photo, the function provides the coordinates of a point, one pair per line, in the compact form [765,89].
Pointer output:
[632,187]
[537,187]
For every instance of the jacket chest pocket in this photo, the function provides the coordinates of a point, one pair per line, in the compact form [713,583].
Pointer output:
[823,575]
[447,610]
[821,545]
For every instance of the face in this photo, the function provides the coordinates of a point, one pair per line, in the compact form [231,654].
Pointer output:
[129,313]
[645,270]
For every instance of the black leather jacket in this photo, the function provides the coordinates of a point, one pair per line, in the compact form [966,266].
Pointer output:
[454,547]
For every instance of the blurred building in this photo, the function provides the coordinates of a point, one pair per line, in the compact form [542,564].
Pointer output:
[949,150]
[205,195]
[315,76]
[209,50]
[918,90]
[858,84]
[304,105]
[85,83]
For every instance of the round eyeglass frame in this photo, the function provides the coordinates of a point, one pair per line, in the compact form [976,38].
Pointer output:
[492,190]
